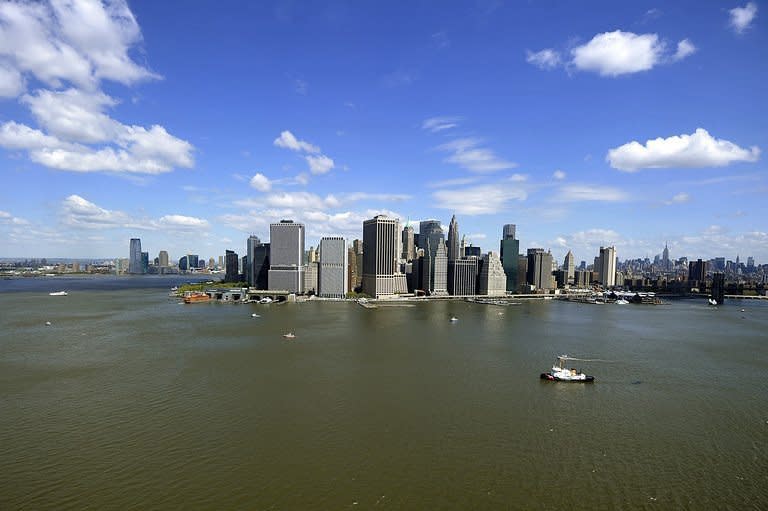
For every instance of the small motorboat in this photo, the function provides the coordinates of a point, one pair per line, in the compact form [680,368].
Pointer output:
[712,301]
[561,373]
[454,318]
[265,300]
[289,335]
[254,315]
[58,293]
[622,301]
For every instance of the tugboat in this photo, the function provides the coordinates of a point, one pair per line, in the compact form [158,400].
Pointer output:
[561,373]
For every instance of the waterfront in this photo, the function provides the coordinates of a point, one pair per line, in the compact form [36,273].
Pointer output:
[129,399]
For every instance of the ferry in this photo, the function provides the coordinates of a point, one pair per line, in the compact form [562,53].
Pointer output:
[196,297]
[561,373]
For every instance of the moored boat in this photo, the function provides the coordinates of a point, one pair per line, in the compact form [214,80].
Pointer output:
[561,373]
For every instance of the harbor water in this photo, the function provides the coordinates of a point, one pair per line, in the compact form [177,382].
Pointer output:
[131,400]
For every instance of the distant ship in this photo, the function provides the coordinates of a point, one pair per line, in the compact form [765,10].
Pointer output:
[58,293]
[196,297]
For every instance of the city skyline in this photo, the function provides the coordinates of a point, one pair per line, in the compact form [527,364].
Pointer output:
[329,116]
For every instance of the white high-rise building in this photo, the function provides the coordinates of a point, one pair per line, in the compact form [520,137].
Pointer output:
[607,262]
[381,249]
[492,280]
[569,265]
[332,274]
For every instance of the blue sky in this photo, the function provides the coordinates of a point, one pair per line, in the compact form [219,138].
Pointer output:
[191,125]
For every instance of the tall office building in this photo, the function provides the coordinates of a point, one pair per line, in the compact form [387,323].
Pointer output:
[492,280]
[463,279]
[193,260]
[357,246]
[134,257]
[286,256]
[540,269]
[310,277]
[257,269]
[509,252]
[430,232]
[232,262]
[607,262]
[332,275]
[144,262]
[162,259]
[380,254]
[453,240]
[409,244]
[569,266]
[697,270]
[665,262]
[183,263]
[351,269]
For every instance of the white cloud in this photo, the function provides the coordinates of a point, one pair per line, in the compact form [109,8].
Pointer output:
[8,219]
[181,222]
[319,164]
[437,124]
[74,115]
[617,53]
[78,41]
[79,212]
[11,81]
[301,200]
[385,197]
[678,199]
[518,178]
[559,175]
[578,193]
[478,200]
[261,182]
[741,17]
[684,49]
[452,182]
[468,155]
[77,44]
[287,140]
[697,150]
[544,59]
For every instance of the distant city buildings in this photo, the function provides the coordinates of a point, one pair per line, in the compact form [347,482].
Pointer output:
[135,265]
[380,254]
[232,266]
[509,251]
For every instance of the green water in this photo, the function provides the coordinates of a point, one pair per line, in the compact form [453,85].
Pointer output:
[129,400]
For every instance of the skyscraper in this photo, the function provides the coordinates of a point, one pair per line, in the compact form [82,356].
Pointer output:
[134,257]
[144,262]
[607,261]
[258,263]
[453,240]
[540,269]
[286,256]
[491,281]
[463,279]
[509,252]
[430,232]
[332,275]
[232,262]
[380,255]
[162,259]
[409,244]
[569,265]
[697,270]
[665,262]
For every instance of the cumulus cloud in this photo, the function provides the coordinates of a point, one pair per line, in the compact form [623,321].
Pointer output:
[559,175]
[384,197]
[288,140]
[8,219]
[261,182]
[437,124]
[182,223]
[478,200]
[684,49]
[742,17]
[544,59]
[467,153]
[75,45]
[579,193]
[78,41]
[697,150]
[79,212]
[618,53]
[319,164]
[301,200]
